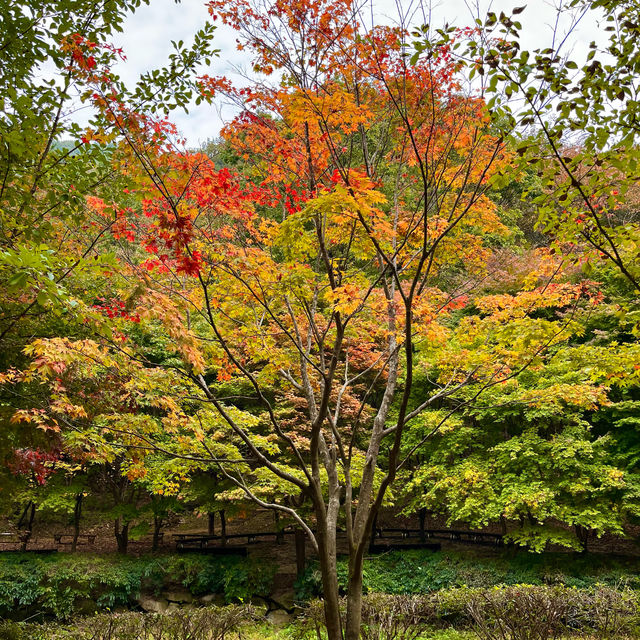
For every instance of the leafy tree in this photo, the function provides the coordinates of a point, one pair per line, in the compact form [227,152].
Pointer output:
[586,185]
[306,319]
[325,278]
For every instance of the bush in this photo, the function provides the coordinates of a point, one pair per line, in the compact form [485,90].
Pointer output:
[206,623]
[388,617]
[56,586]
[520,612]
[610,613]
[420,572]
[541,613]
[384,617]
[523,613]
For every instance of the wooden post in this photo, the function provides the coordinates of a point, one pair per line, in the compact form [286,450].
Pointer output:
[157,527]
[372,535]
[223,527]
[279,532]
[301,560]
[77,512]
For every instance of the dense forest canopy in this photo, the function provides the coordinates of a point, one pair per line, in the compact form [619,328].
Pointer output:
[390,282]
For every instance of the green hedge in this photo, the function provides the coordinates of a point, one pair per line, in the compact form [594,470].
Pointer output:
[57,585]
[417,572]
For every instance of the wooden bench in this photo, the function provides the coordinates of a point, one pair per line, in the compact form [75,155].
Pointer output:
[189,542]
[193,540]
[232,550]
[454,535]
[202,540]
[84,538]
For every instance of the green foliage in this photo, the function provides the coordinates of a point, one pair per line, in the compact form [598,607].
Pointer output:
[421,572]
[549,450]
[56,585]
[207,623]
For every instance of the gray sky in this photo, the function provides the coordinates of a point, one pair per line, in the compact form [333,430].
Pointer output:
[147,36]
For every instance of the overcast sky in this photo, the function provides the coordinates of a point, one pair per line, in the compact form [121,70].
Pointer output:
[147,36]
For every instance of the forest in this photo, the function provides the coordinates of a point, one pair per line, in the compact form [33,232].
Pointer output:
[364,364]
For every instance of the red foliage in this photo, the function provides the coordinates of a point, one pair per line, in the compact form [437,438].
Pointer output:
[33,462]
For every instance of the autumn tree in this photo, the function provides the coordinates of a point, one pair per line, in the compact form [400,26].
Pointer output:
[536,454]
[308,296]
[315,281]
[56,251]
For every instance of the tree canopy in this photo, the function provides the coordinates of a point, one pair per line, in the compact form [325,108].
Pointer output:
[385,285]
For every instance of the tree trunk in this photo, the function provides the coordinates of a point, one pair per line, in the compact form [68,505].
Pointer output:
[122,535]
[331,598]
[23,516]
[77,512]
[301,560]
[374,527]
[211,524]
[423,516]
[582,533]
[279,532]
[157,527]
[354,586]
[354,598]
[26,536]
[223,527]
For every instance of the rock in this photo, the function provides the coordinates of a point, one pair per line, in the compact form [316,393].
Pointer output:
[153,605]
[216,599]
[279,618]
[181,596]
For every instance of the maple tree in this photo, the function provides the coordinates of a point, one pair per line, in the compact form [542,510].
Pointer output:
[56,252]
[322,278]
[528,453]
[301,324]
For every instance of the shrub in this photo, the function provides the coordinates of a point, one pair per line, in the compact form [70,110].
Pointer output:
[384,617]
[388,617]
[521,612]
[11,630]
[610,613]
[540,613]
[209,623]
[420,572]
[206,623]
[55,586]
